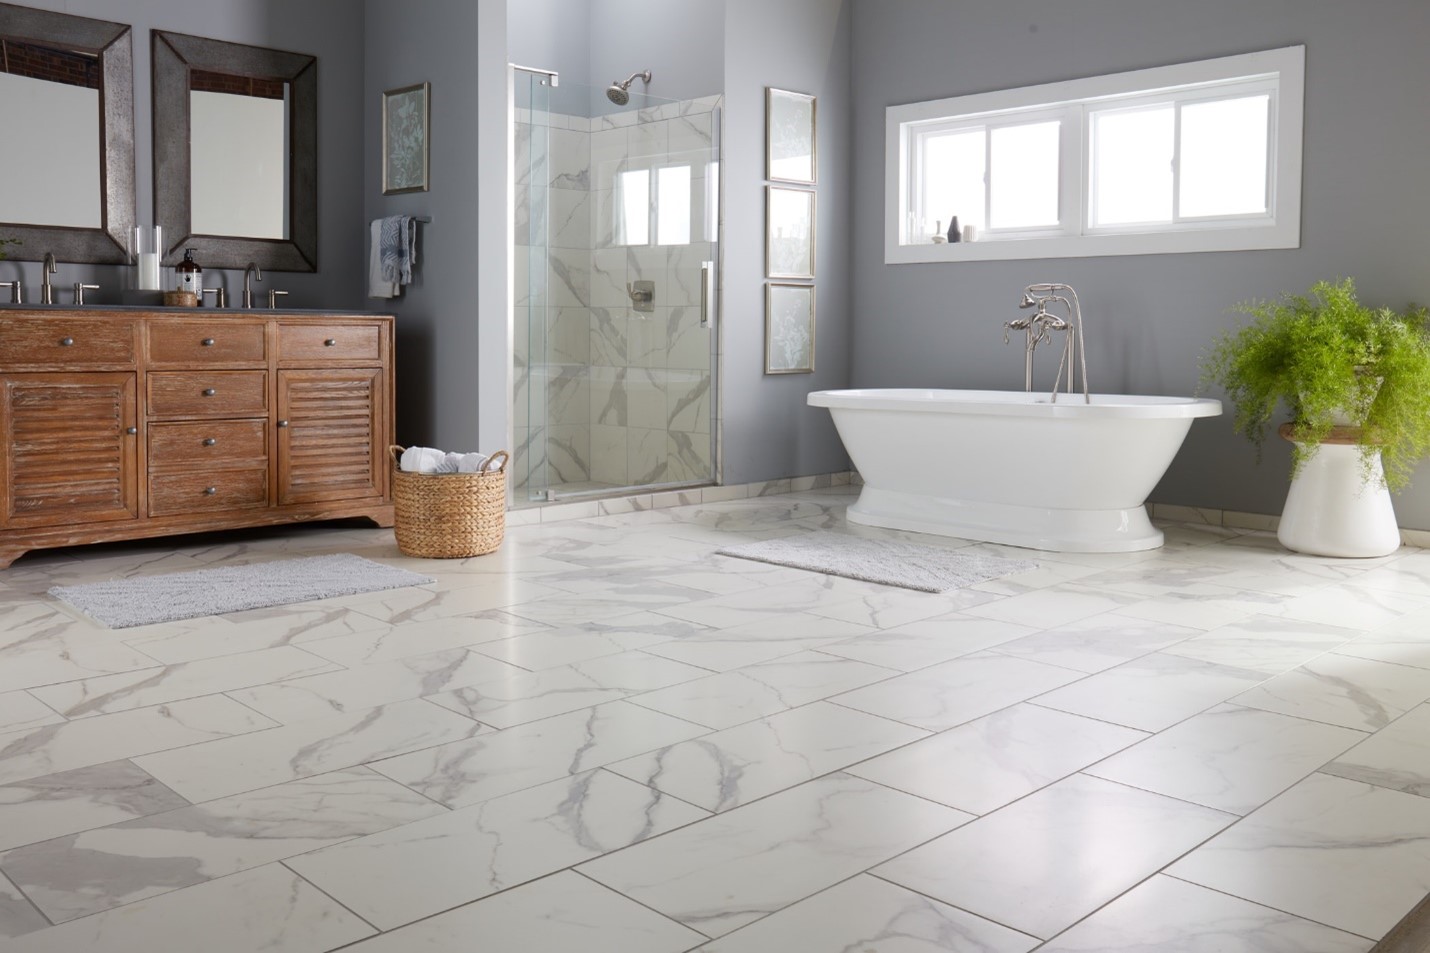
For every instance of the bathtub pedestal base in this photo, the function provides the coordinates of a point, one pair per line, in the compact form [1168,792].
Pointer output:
[1035,527]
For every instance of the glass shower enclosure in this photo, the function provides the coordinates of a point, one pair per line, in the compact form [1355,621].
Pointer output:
[616,237]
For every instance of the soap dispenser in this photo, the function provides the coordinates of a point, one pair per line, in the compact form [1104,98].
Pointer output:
[190,275]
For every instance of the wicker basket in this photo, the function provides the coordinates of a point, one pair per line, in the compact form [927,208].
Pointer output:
[449,515]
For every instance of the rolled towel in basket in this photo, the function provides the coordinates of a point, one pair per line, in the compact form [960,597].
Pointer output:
[469,462]
[423,460]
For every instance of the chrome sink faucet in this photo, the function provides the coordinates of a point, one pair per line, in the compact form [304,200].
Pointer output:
[47,290]
[247,289]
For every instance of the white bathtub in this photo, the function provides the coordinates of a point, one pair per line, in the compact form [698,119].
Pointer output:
[1010,467]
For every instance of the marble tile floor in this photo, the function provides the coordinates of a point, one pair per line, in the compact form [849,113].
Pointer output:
[605,737]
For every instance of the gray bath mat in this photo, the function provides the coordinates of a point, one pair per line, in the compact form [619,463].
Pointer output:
[891,562]
[145,600]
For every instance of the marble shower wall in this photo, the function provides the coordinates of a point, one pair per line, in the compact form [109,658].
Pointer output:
[605,394]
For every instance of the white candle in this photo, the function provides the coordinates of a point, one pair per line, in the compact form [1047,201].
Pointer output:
[149,271]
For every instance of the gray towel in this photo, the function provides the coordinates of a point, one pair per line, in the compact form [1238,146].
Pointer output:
[394,253]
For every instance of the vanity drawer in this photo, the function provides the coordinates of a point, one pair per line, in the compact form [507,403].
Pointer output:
[301,343]
[171,493]
[67,342]
[192,342]
[208,444]
[208,393]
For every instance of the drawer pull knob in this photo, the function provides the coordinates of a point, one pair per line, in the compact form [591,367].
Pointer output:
[209,392]
[209,441]
[131,430]
[330,342]
[282,423]
[66,342]
[210,490]
[207,342]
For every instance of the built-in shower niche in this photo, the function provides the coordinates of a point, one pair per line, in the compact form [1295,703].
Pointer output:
[607,396]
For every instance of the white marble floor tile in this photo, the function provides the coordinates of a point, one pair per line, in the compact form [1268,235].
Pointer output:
[88,741]
[1396,757]
[1409,574]
[982,765]
[501,762]
[107,694]
[419,604]
[428,866]
[1346,854]
[727,655]
[368,686]
[79,800]
[723,770]
[64,657]
[734,868]
[1054,606]
[1049,860]
[1153,692]
[1396,649]
[80,874]
[1171,916]
[562,912]
[17,914]
[1230,758]
[957,691]
[1339,690]
[267,908]
[732,698]
[551,648]
[251,631]
[561,609]
[896,607]
[525,697]
[868,914]
[390,642]
[1205,606]
[21,710]
[1269,644]
[1353,606]
[215,769]
[755,605]
[917,645]
[1096,643]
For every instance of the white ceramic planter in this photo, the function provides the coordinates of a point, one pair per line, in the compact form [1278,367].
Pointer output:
[1333,509]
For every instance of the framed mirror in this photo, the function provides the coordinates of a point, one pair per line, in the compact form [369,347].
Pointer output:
[235,153]
[67,104]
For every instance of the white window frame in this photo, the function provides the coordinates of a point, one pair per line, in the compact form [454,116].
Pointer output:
[1280,72]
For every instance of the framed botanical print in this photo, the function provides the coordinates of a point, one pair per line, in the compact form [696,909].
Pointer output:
[789,233]
[789,328]
[789,136]
[405,149]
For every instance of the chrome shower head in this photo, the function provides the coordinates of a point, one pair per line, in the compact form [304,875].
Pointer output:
[618,92]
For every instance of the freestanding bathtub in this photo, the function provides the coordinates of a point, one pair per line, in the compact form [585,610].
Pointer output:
[1011,467]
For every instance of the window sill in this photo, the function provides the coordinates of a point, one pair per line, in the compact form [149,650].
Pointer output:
[1088,246]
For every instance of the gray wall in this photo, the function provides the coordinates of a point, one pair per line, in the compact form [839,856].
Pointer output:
[326,29]
[406,42]
[1150,317]
[805,46]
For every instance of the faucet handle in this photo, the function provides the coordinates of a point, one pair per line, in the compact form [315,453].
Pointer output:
[80,288]
[273,299]
[220,296]
[17,290]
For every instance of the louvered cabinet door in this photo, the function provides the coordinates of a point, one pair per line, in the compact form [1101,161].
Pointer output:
[71,449]
[331,434]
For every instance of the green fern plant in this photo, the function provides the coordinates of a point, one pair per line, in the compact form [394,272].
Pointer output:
[1323,355]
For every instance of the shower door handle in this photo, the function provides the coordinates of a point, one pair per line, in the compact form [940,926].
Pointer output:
[707,292]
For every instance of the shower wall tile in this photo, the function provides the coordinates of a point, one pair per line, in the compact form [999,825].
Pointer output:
[647,263]
[608,278]
[609,156]
[683,273]
[688,456]
[689,138]
[568,278]
[610,342]
[603,219]
[568,339]
[646,336]
[609,402]
[645,398]
[521,274]
[570,159]
[688,401]
[568,453]
[687,343]
[649,140]
[647,455]
[568,399]
[608,455]
[569,222]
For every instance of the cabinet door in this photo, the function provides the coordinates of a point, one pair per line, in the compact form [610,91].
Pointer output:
[332,435]
[71,453]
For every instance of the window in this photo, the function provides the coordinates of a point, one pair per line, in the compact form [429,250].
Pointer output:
[1195,157]
[655,201]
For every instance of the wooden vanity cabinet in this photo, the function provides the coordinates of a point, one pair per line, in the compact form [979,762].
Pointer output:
[129,424]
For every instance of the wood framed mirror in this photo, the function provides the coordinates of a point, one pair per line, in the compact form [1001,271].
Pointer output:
[67,105]
[235,153]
